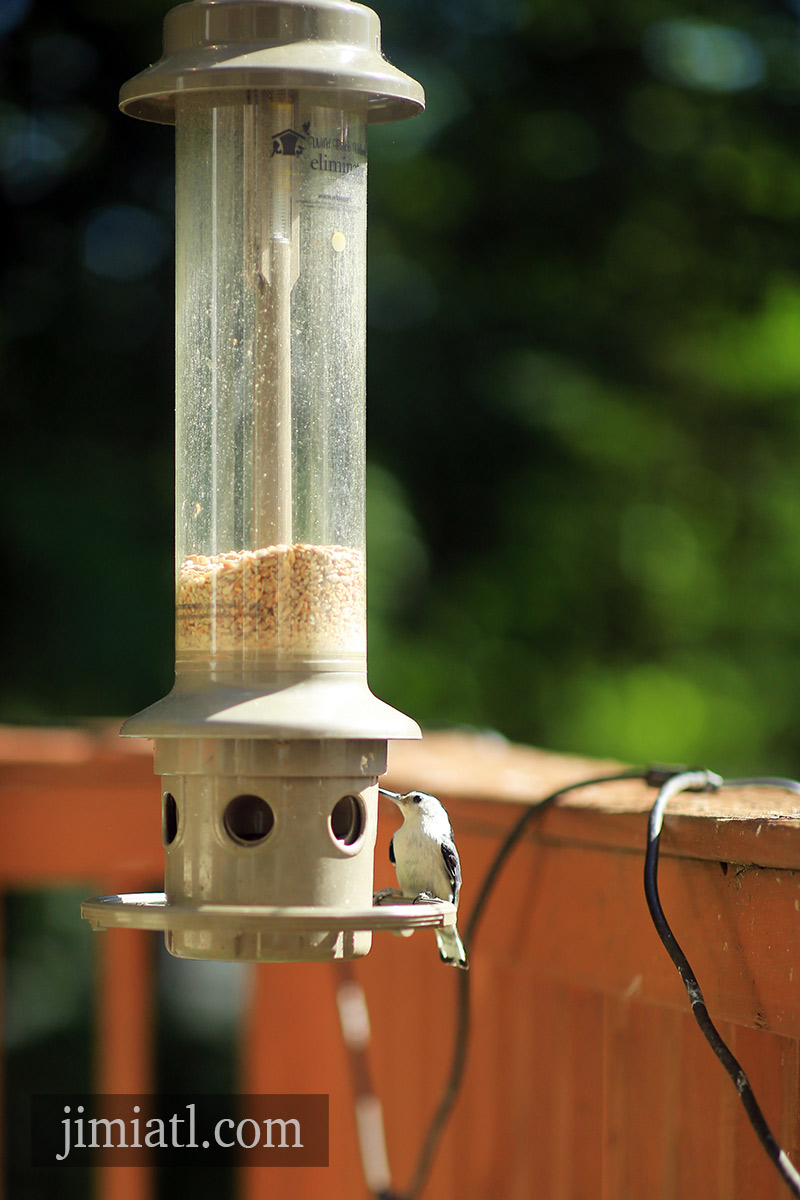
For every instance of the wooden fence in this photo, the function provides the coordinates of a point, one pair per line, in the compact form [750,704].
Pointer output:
[586,1077]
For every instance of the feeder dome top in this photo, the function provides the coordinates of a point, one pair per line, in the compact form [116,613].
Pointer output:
[224,46]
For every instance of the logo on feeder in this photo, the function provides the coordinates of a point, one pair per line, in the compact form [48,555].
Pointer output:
[290,142]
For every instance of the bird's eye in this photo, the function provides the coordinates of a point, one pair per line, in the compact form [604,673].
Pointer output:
[415,799]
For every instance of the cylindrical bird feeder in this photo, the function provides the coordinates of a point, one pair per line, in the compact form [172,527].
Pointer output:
[270,744]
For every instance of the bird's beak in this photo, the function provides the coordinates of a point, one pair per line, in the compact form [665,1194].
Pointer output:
[395,796]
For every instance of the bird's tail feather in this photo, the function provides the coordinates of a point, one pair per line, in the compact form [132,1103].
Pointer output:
[451,948]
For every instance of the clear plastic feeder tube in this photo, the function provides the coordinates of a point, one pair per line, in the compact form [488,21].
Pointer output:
[271,315]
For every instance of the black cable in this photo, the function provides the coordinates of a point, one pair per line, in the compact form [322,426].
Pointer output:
[461,1040]
[707,781]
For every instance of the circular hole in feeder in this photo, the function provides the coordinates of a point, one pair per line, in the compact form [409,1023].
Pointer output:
[347,820]
[169,819]
[248,819]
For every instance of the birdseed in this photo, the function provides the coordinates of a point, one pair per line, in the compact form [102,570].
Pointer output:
[291,599]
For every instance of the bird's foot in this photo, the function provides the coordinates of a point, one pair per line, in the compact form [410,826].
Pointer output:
[385,895]
[424,898]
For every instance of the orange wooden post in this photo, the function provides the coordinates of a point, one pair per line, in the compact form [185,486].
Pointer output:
[291,1042]
[125,1055]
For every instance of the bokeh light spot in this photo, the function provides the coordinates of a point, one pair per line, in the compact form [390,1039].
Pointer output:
[124,242]
[715,58]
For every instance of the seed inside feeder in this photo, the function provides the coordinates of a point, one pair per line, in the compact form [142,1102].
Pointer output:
[299,599]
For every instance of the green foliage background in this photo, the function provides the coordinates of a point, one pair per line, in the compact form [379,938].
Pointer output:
[584,373]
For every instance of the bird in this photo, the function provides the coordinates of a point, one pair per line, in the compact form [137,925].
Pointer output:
[426,861]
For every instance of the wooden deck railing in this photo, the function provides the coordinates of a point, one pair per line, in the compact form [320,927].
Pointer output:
[586,1074]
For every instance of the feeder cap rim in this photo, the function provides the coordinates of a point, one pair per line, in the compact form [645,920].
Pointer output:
[229,46]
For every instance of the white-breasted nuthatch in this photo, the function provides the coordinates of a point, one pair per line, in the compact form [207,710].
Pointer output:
[426,861]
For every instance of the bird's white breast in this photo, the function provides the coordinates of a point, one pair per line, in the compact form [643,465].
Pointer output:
[418,857]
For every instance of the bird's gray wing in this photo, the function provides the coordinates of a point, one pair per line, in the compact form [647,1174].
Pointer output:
[392,858]
[452,866]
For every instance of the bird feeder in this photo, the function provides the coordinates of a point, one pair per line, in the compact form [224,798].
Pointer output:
[270,744]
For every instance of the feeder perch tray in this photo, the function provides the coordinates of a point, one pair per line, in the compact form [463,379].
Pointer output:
[152,910]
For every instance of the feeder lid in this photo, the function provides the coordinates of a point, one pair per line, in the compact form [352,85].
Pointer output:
[290,705]
[236,45]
